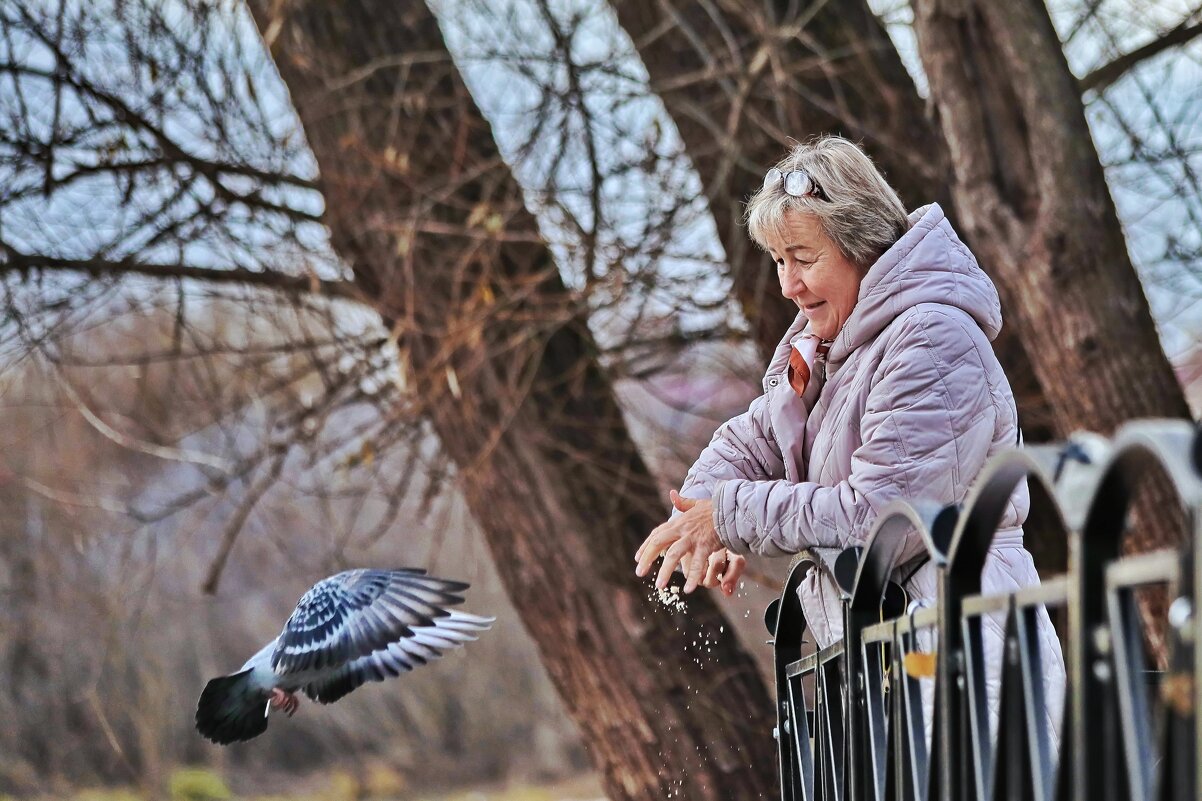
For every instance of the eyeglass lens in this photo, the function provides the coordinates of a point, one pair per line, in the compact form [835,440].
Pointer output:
[798,183]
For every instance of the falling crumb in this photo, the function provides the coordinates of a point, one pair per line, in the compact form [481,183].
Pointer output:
[671,598]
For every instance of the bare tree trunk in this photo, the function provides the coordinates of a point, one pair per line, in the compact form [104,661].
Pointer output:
[1031,192]
[1032,195]
[740,84]
[499,355]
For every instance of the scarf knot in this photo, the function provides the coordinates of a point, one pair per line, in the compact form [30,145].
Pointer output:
[803,355]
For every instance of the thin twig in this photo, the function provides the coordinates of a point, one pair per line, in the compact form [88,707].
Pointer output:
[238,521]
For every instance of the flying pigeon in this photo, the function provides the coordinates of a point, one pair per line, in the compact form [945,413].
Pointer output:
[353,627]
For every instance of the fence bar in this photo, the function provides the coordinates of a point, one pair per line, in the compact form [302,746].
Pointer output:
[897,718]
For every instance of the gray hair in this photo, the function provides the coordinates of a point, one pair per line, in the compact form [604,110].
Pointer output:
[858,209]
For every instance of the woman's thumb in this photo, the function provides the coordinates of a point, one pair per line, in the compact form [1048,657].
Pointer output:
[681,503]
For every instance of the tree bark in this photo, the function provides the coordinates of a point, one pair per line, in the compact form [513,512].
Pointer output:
[499,357]
[1030,191]
[742,84]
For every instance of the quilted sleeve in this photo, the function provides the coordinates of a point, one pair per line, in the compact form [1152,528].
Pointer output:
[926,432]
[742,448]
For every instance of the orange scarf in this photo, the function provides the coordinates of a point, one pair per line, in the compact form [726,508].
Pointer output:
[802,356]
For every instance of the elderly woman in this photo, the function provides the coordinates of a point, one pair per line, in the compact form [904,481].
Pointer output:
[884,387]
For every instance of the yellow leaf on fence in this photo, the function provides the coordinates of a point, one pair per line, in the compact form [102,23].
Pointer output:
[1177,691]
[919,665]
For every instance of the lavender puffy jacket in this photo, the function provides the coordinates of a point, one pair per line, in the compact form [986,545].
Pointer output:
[913,405]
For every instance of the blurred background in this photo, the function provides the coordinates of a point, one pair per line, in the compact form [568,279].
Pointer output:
[293,286]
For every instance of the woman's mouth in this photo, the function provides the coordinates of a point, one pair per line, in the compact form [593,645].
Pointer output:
[809,307]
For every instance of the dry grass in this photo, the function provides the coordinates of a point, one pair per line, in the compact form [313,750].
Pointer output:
[581,788]
[585,788]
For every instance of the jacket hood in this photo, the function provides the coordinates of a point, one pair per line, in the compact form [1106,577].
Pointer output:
[929,264]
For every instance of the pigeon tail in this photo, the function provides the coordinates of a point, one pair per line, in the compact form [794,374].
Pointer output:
[232,709]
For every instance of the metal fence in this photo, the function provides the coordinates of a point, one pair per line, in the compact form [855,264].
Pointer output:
[900,708]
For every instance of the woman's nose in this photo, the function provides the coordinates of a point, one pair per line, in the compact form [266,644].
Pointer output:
[790,283]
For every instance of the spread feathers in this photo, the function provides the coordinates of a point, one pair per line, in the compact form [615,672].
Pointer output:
[351,628]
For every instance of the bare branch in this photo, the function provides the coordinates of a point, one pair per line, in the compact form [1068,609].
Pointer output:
[127,114]
[75,499]
[236,523]
[134,444]
[18,262]
[1107,74]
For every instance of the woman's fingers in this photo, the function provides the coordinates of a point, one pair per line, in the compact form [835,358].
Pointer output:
[672,556]
[664,535]
[656,541]
[692,573]
[689,541]
[714,567]
[696,568]
[638,555]
[681,503]
[735,566]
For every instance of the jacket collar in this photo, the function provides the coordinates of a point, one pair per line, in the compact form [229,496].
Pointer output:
[928,264]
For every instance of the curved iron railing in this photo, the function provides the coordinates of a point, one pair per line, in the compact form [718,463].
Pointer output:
[899,707]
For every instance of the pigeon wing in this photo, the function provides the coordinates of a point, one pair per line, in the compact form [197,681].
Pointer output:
[357,612]
[424,644]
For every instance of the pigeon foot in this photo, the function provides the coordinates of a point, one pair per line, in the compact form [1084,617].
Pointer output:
[282,699]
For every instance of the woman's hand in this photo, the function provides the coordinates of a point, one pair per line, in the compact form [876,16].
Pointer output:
[691,542]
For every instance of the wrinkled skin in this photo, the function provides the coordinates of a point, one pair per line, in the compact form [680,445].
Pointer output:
[690,541]
[814,273]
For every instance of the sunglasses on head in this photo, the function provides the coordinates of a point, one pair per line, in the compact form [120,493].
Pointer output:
[797,183]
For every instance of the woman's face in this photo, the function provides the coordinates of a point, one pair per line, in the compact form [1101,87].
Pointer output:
[814,274]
